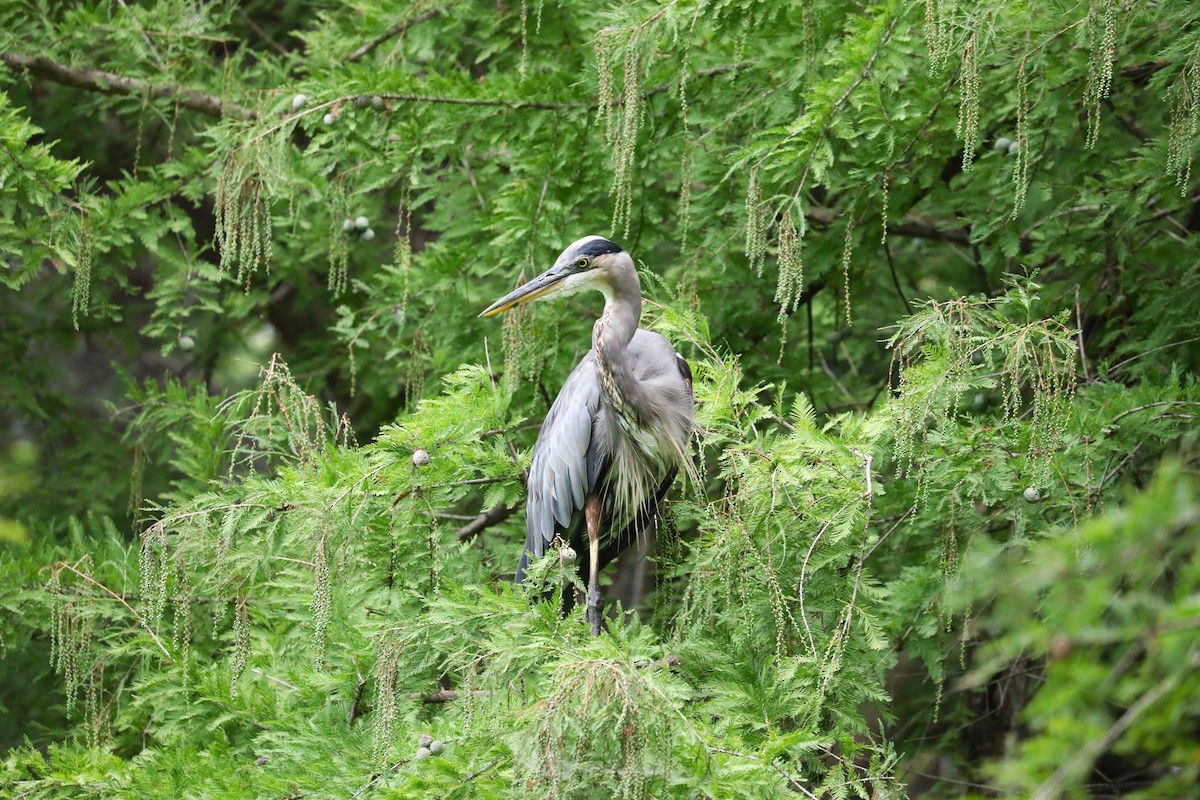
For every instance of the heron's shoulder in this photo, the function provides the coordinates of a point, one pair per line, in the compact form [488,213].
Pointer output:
[645,341]
[654,352]
[584,371]
[580,392]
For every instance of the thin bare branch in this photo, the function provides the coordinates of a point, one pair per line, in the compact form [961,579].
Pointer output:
[497,102]
[262,34]
[397,29]
[273,679]
[1079,332]
[149,44]
[140,620]
[377,778]
[812,644]
[1135,357]
[795,784]
[1160,404]
[359,481]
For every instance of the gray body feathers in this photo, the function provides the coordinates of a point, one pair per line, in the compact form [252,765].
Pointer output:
[627,456]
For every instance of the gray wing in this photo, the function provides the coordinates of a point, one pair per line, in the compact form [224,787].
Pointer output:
[568,461]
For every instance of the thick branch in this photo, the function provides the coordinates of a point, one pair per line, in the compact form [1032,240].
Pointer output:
[445,696]
[671,663]
[110,83]
[493,516]
[914,225]
[927,228]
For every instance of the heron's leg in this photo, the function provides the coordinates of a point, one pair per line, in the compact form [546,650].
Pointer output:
[591,511]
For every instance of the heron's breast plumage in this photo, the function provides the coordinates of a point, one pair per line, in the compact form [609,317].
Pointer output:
[646,422]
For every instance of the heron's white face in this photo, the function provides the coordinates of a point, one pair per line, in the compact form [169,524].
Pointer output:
[585,264]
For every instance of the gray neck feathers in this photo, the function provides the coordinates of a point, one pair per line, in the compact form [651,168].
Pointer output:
[611,336]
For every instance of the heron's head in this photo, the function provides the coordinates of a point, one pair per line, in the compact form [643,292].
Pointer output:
[593,262]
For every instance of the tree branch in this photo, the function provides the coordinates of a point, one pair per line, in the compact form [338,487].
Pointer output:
[395,30]
[273,679]
[262,34]
[1160,404]
[493,516]
[446,695]
[111,83]
[914,225]
[96,80]
[149,44]
[140,620]
[841,101]
[707,72]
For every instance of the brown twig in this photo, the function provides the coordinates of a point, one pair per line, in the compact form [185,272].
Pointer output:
[783,423]
[891,262]
[407,493]
[670,663]
[357,708]
[110,83]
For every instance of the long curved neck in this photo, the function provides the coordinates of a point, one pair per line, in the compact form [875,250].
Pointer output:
[610,339]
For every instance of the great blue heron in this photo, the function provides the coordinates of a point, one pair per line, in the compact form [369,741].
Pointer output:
[618,432]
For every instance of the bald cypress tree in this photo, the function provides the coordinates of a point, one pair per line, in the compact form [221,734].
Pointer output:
[934,267]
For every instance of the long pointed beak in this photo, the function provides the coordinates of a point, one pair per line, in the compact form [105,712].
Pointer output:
[540,286]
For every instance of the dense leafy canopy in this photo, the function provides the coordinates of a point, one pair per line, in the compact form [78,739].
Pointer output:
[935,267]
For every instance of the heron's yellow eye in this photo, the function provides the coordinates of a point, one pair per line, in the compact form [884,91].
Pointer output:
[582,263]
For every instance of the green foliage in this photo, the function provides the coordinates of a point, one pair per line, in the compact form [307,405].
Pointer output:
[933,265]
[1120,655]
[970,344]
